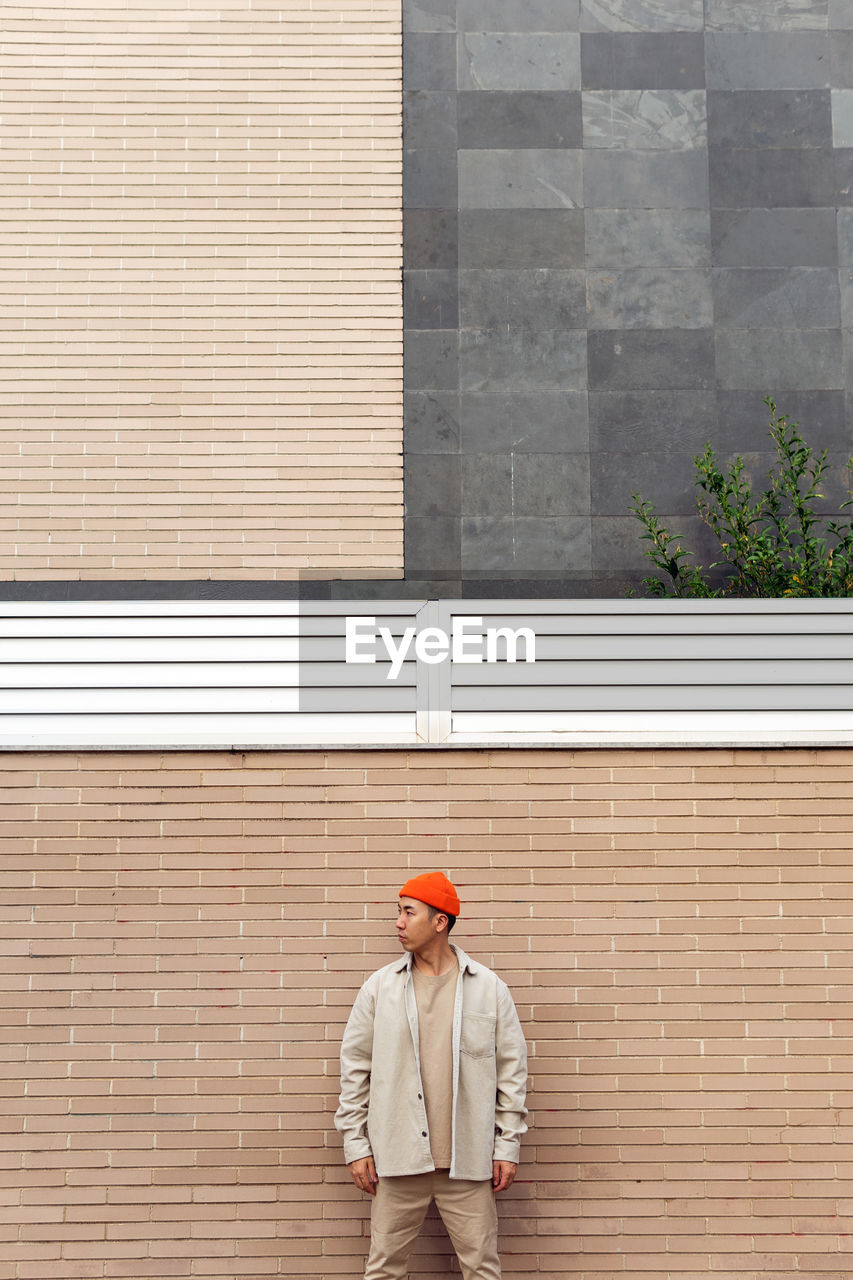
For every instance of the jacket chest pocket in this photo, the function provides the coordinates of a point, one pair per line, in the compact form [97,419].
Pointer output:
[478,1035]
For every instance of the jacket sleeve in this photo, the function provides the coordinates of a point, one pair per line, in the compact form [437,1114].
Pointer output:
[356,1057]
[511,1063]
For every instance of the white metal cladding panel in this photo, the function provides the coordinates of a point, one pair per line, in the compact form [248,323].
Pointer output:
[768,671]
[179,674]
[261,673]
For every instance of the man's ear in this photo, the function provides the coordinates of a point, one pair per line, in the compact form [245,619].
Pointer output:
[440,922]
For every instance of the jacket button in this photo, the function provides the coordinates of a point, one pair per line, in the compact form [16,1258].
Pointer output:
[420,1097]
[423,1133]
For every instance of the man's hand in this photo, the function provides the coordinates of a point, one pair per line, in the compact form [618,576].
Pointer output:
[503,1172]
[363,1174]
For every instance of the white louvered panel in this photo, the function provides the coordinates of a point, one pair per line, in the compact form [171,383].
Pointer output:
[727,667]
[176,673]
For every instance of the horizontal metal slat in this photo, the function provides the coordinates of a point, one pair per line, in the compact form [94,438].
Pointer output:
[664,624]
[653,698]
[615,642]
[618,675]
[134,649]
[66,627]
[213,730]
[682,721]
[202,675]
[83,701]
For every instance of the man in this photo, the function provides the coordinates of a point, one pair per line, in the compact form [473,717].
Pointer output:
[433,1079]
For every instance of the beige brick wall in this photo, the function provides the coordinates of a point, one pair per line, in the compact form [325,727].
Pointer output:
[201,338]
[183,935]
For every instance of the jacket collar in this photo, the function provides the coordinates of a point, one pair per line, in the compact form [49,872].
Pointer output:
[465,961]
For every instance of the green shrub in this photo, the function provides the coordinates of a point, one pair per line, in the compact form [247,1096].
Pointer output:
[771,545]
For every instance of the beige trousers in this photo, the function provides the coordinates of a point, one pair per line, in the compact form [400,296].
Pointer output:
[467,1210]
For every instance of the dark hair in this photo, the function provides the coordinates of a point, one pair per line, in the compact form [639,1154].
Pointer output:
[434,911]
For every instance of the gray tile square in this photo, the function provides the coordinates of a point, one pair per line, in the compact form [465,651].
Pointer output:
[524,422]
[772,178]
[431,421]
[842,117]
[509,15]
[519,60]
[618,60]
[845,237]
[549,422]
[429,15]
[642,15]
[486,484]
[770,118]
[618,554]
[489,421]
[767,15]
[743,420]
[664,478]
[432,484]
[522,360]
[543,299]
[843,172]
[429,179]
[548,484]
[518,238]
[650,298]
[846,276]
[658,359]
[430,238]
[433,546]
[841,15]
[430,299]
[429,120]
[782,297]
[841,54]
[487,544]
[774,237]
[530,118]
[769,60]
[848,401]
[526,179]
[619,538]
[777,360]
[646,179]
[555,544]
[429,60]
[676,421]
[644,119]
[430,360]
[624,238]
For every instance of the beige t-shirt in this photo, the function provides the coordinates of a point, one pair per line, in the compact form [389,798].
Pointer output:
[435,998]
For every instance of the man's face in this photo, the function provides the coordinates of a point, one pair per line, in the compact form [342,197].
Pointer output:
[415,928]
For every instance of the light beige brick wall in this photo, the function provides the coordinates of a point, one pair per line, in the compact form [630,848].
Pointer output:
[201,337]
[183,935]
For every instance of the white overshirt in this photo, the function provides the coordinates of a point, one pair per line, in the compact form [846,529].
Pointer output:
[381,1111]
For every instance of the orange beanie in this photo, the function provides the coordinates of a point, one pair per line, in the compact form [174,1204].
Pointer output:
[435,890]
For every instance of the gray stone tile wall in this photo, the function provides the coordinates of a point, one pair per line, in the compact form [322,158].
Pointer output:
[625,223]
